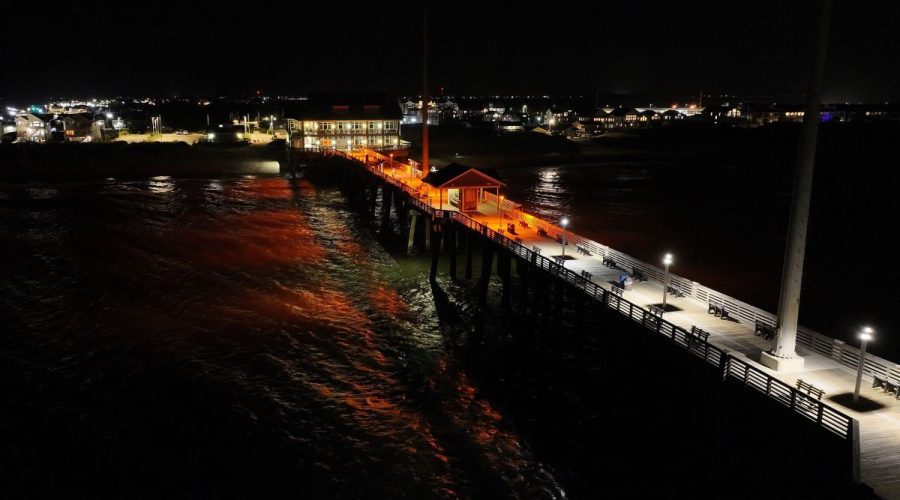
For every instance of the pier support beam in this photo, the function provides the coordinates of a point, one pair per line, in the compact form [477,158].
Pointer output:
[427,233]
[413,222]
[386,195]
[452,232]
[503,270]
[436,227]
[522,271]
[487,258]
[469,242]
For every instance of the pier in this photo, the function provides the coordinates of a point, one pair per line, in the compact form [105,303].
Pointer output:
[718,330]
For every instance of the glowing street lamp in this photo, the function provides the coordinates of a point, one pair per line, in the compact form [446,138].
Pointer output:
[666,261]
[500,206]
[865,336]
[564,222]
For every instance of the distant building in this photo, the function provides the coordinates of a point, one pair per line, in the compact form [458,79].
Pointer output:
[438,111]
[33,127]
[346,122]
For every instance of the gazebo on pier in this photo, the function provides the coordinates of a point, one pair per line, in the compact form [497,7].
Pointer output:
[464,185]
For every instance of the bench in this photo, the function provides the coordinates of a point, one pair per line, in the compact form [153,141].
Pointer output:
[809,389]
[638,274]
[696,338]
[888,384]
[699,334]
[676,292]
[763,330]
[559,259]
[535,249]
[609,262]
[541,231]
[655,310]
[523,223]
[518,240]
[586,275]
[616,291]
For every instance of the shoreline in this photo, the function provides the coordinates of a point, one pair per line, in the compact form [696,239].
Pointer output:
[59,162]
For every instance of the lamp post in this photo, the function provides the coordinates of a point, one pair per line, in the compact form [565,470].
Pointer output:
[666,261]
[865,336]
[564,222]
[500,207]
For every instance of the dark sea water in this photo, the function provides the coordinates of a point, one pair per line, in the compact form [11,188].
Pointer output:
[726,222]
[232,337]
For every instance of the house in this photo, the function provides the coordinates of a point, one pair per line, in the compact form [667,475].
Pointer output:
[620,117]
[347,121]
[33,127]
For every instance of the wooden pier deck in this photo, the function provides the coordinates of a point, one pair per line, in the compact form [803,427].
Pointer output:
[879,430]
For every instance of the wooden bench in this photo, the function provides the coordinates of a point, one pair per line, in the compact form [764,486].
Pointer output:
[523,223]
[609,262]
[763,330]
[811,390]
[638,274]
[699,334]
[887,383]
[586,275]
[582,250]
[674,291]
[697,338]
[535,249]
[541,231]
[616,290]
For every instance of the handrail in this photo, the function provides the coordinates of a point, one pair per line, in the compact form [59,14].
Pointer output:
[730,366]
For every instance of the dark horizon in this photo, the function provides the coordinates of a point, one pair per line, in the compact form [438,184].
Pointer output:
[207,49]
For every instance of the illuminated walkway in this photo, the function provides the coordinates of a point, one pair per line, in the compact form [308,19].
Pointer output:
[879,429]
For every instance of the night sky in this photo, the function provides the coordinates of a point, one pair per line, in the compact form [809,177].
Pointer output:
[88,49]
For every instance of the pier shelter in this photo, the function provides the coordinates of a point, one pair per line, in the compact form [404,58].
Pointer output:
[464,185]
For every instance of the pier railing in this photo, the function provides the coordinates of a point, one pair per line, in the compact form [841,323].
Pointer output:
[729,365]
[744,313]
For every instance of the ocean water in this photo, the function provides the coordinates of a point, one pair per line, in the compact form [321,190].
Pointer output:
[234,337]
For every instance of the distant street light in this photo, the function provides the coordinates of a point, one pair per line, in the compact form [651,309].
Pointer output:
[500,206]
[564,222]
[666,261]
[865,336]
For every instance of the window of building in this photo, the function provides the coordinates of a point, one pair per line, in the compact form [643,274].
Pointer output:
[389,125]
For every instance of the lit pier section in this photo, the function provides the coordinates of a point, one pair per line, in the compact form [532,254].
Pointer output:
[720,330]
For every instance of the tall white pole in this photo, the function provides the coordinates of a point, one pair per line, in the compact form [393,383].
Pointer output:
[666,260]
[564,223]
[865,337]
[784,351]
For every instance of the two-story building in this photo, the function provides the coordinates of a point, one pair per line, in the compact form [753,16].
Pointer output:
[347,121]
